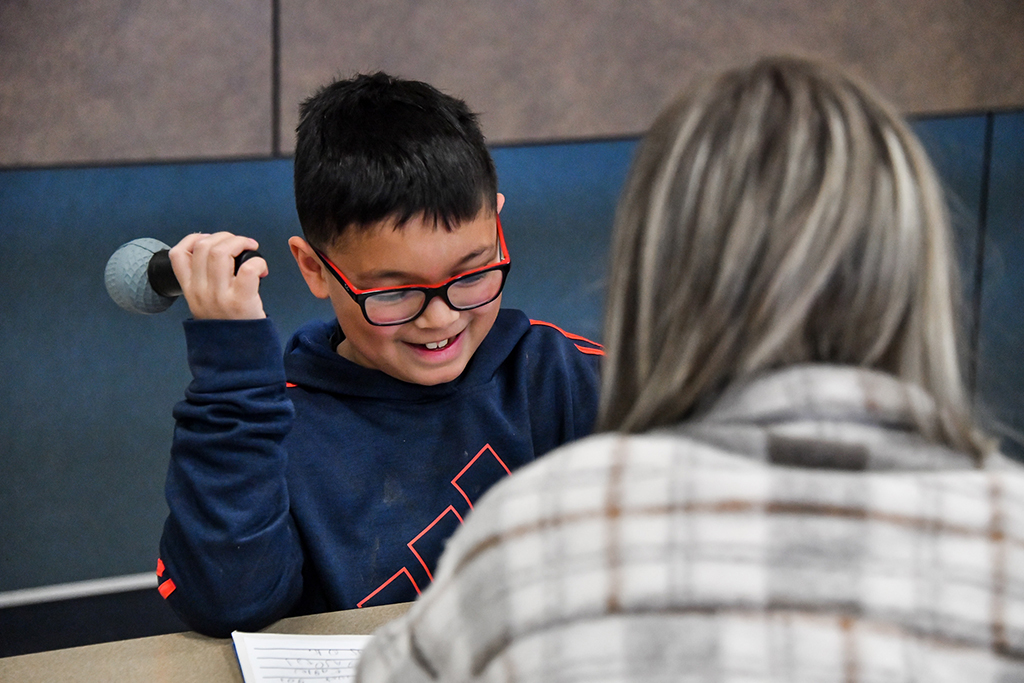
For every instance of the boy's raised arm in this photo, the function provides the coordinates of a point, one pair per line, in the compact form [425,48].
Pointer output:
[230,554]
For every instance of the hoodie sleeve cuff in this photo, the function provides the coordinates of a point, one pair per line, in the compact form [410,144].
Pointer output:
[234,353]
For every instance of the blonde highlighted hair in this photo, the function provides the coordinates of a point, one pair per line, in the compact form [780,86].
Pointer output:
[778,214]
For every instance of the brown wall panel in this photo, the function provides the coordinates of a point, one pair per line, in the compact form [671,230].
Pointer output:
[557,69]
[98,81]
[111,80]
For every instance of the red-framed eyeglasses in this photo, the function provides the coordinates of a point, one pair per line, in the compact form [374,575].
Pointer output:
[397,305]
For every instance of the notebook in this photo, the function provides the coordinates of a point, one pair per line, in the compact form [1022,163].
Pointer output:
[284,658]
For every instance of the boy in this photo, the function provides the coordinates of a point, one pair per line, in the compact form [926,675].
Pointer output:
[331,479]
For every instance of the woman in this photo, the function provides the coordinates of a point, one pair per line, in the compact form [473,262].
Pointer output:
[790,484]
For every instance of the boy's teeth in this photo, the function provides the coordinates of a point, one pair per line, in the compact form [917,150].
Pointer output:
[437,345]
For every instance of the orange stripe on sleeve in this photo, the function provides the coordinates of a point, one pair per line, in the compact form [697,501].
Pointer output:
[159,567]
[166,588]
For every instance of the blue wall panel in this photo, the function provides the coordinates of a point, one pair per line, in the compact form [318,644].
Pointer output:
[559,206]
[87,388]
[1001,343]
[956,147]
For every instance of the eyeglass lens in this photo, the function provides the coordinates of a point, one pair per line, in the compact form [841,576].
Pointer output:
[464,293]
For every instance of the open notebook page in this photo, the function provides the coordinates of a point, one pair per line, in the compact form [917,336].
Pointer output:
[289,658]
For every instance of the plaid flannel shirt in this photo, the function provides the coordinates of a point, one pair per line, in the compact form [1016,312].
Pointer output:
[803,530]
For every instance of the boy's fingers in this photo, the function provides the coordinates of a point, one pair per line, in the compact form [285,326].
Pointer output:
[188,241]
[181,255]
[246,286]
[215,254]
[224,246]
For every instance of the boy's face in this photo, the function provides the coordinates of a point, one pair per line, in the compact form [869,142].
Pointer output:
[417,253]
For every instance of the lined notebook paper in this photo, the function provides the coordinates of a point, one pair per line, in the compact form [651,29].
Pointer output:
[288,658]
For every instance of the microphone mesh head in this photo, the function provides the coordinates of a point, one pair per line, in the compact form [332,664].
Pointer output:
[127,279]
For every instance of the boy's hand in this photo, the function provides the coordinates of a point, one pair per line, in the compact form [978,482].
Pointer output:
[205,268]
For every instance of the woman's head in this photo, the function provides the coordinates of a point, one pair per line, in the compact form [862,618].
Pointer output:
[778,214]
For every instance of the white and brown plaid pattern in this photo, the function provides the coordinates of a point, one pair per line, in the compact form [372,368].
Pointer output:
[680,556]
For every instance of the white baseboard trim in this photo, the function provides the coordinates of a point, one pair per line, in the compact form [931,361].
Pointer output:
[78,589]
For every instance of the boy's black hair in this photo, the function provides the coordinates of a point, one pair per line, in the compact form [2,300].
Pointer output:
[376,147]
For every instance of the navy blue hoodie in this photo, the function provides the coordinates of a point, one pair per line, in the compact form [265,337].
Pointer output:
[316,484]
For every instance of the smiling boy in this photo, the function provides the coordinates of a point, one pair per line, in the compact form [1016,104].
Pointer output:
[331,477]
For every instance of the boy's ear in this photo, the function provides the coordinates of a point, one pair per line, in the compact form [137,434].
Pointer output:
[310,266]
[501,201]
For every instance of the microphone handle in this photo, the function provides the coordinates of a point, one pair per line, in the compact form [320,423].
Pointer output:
[161,273]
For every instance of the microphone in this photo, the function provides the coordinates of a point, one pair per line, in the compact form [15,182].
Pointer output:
[140,279]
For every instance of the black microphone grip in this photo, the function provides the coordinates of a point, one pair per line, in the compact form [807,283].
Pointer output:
[161,273]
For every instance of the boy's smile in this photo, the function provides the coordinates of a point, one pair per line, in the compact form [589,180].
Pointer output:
[434,347]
